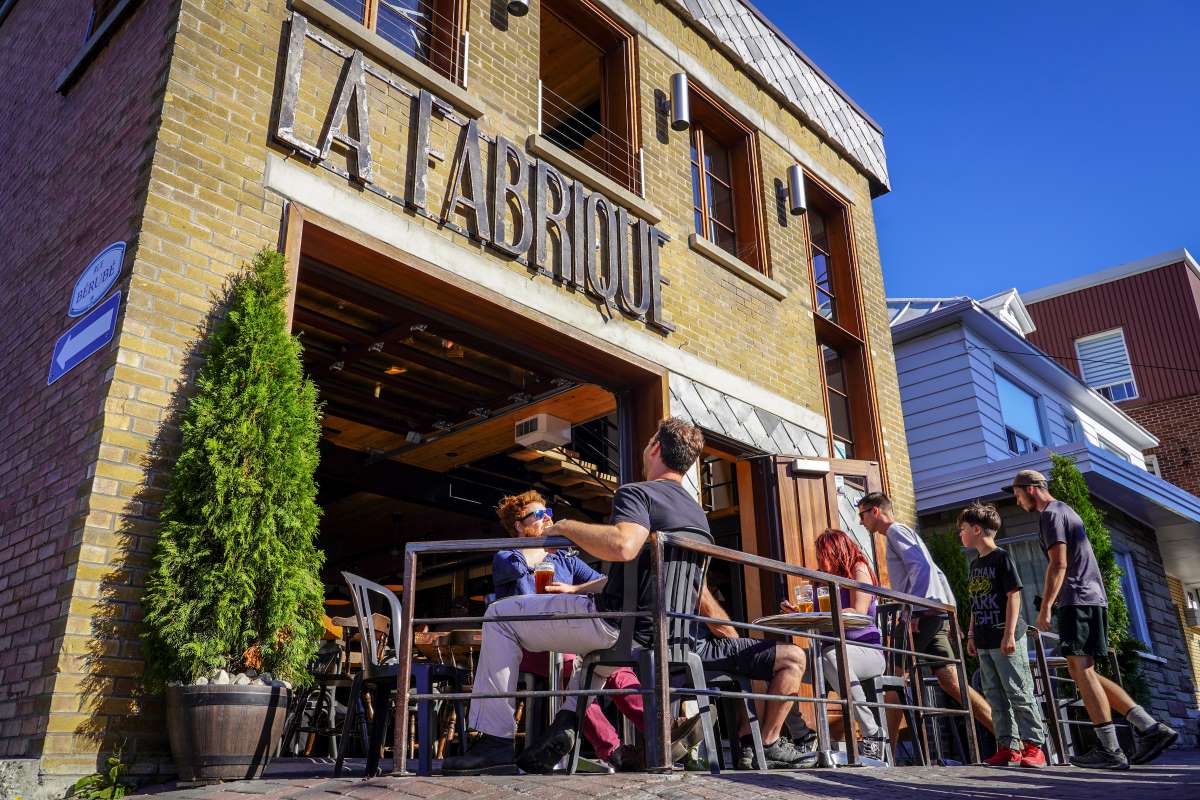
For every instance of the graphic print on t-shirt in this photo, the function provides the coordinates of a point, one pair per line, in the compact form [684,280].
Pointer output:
[992,577]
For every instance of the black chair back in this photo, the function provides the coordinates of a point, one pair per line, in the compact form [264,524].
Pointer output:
[893,621]
[371,636]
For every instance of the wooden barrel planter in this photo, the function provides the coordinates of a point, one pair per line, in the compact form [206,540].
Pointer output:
[224,732]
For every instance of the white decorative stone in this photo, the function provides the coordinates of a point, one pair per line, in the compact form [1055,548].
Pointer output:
[222,678]
[256,682]
[241,679]
[174,683]
[287,685]
[201,682]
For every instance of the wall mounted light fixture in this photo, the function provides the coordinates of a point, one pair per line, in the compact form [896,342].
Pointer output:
[797,203]
[518,8]
[681,118]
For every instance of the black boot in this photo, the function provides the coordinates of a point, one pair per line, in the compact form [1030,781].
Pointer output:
[541,757]
[490,755]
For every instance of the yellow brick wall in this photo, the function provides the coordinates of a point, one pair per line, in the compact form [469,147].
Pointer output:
[207,211]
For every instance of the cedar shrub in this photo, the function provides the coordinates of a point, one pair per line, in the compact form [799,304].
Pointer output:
[235,572]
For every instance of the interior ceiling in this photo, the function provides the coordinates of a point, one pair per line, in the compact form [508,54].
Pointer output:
[389,374]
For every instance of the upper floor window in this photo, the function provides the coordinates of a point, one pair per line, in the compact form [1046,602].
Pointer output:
[588,94]
[837,403]
[1104,364]
[725,196]
[428,30]
[822,266]
[1022,422]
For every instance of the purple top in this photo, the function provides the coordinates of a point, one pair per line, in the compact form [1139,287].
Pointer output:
[868,634]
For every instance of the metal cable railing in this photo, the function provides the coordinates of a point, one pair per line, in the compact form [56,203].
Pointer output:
[658,686]
[581,132]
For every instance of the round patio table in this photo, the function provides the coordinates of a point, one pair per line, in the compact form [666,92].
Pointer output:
[819,622]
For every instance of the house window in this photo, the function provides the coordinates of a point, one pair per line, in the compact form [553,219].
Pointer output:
[588,97]
[725,196]
[718,484]
[825,301]
[1114,448]
[1133,598]
[837,403]
[1152,465]
[428,30]
[1022,423]
[1104,364]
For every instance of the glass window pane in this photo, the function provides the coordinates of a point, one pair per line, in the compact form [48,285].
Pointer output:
[716,160]
[817,230]
[821,274]
[699,223]
[835,375]
[825,306]
[406,24]
[724,239]
[720,204]
[696,200]
[1019,409]
[839,415]
[355,9]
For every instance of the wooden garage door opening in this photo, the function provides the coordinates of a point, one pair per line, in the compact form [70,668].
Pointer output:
[423,377]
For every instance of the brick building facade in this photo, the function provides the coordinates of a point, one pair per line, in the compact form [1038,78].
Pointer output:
[163,130]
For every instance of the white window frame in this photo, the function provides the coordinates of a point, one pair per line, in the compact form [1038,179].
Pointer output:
[1124,347]
[1137,613]
[1152,465]
[1038,409]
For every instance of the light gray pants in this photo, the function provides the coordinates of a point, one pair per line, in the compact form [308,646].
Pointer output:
[503,643]
[863,663]
[1008,687]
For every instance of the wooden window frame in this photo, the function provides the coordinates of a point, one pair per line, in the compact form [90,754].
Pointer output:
[846,333]
[449,23]
[710,119]
[619,105]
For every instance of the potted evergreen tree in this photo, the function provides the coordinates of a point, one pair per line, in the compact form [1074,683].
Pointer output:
[234,588]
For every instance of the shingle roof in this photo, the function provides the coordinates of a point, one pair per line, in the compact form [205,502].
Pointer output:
[751,38]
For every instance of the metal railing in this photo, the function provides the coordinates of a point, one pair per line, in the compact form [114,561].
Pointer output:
[580,132]
[658,685]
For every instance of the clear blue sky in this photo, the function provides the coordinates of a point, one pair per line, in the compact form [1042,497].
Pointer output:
[1027,142]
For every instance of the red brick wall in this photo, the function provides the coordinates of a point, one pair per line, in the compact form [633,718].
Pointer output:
[74,171]
[1176,423]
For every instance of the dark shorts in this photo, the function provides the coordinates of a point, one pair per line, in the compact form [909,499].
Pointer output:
[1083,631]
[933,637]
[754,658]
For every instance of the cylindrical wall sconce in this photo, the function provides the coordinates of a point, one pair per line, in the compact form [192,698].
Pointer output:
[681,115]
[518,8]
[796,200]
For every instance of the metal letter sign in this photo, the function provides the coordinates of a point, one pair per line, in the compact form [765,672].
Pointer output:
[84,338]
[97,278]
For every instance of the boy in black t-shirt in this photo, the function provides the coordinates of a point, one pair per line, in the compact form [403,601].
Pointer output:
[997,637]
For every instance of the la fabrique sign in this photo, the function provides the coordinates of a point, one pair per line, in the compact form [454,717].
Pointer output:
[604,250]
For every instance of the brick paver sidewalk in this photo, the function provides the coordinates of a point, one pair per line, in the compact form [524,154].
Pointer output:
[1175,776]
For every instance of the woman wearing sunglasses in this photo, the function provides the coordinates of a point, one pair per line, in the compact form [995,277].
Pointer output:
[525,516]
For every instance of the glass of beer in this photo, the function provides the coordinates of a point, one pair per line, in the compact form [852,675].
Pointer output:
[804,598]
[543,574]
[823,598]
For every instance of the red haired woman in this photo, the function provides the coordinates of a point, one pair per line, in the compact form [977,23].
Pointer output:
[838,554]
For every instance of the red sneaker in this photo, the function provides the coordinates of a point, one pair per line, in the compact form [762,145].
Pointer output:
[1004,757]
[1032,756]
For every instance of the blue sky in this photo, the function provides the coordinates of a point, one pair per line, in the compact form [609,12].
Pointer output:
[1028,143]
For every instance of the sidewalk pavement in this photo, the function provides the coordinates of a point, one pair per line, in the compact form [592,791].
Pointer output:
[1176,775]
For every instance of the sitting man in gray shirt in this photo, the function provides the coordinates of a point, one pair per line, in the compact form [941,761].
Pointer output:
[911,570]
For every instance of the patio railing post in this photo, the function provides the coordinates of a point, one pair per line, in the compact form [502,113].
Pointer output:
[1051,702]
[662,677]
[964,688]
[843,668]
[404,649]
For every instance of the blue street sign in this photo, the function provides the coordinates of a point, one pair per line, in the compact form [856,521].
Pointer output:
[84,338]
[97,278]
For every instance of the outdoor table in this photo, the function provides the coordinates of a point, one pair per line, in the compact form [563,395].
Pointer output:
[819,622]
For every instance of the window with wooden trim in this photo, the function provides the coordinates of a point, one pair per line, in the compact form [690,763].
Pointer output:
[430,31]
[725,181]
[588,101]
[846,383]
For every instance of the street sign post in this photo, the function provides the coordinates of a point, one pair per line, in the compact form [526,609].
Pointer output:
[97,278]
[84,338]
